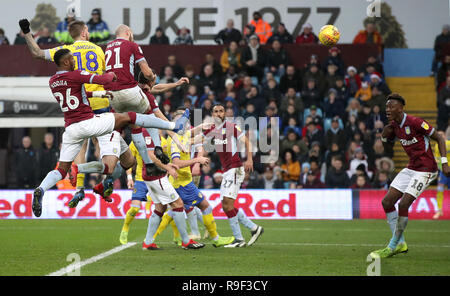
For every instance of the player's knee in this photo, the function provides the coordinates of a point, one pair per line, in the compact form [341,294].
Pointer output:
[387,203]
[177,204]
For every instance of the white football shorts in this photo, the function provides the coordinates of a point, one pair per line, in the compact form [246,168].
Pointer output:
[75,134]
[162,191]
[413,182]
[130,99]
[231,182]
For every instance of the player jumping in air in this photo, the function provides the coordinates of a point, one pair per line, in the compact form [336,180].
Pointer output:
[163,194]
[226,137]
[121,55]
[67,86]
[414,134]
[189,193]
[89,58]
[442,179]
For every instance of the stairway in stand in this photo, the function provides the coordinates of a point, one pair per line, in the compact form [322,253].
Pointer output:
[420,96]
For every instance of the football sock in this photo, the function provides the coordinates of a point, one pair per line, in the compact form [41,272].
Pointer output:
[91,167]
[210,223]
[402,221]
[175,231]
[154,134]
[50,180]
[392,218]
[131,213]
[246,221]
[199,214]
[139,141]
[179,217]
[153,121]
[234,223]
[166,219]
[118,170]
[440,198]
[80,181]
[192,219]
[148,204]
[153,224]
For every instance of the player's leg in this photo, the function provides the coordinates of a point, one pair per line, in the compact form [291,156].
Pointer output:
[231,183]
[71,145]
[150,121]
[211,226]
[79,182]
[165,221]
[192,220]
[153,224]
[402,220]
[139,194]
[443,180]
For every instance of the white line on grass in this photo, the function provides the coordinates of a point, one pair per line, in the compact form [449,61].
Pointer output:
[101,256]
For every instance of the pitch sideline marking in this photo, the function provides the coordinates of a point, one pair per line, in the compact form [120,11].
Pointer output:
[96,258]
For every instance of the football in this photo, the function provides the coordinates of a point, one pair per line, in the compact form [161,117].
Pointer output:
[329,35]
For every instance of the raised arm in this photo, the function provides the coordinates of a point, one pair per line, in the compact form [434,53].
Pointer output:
[34,48]
[163,87]
[443,151]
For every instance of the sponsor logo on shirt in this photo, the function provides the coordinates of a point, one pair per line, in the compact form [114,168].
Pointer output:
[408,142]
[220,142]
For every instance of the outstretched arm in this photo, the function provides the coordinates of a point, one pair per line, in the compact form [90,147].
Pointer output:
[34,48]
[163,87]
[443,151]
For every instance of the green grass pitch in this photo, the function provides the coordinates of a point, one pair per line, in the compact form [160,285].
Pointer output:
[301,247]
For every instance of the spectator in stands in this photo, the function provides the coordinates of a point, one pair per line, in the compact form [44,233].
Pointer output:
[312,182]
[368,36]
[341,88]
[26,165]
[367,70]
[262,28]
[334,58]
[377,98]
[277,59]
[211,60]
[306,167]
[269,178]
[443,104]
[217,179]
[335,135]
[358,158]
[271,91]
[443,72]
[206,180]
[183,37]
[331,77]
[98,29]
[307,35]
[46,38]
[439,41]
[62,33]
[314,134]
[3,39]
[249,31]
[376,117]
[290,167]
[333,151]
[48,155]
[311,94]
[20,38]
[377,152]
[292,139]
[254,58]
[353,108]
[381,180]
[292,125]
[292,98]
[352,81]
[364,93]
[315,116]
[208,79]
[230,33]
[231,56]
[281,35]
[160,37]
[167,75]
[360,183]
[177,70]
[290,79]
[313,72]
[376,80]
[336,176]
[254,97]
[334,106]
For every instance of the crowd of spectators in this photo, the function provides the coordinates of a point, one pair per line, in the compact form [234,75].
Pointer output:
[330,114]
